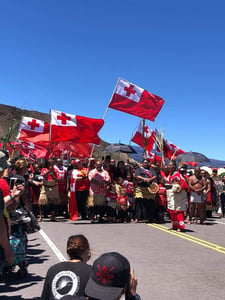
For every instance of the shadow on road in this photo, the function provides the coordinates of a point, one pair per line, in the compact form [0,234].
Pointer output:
[13,282]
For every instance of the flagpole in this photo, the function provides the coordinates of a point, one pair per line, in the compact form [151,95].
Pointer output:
[111,99]
[133,133]
[144,139]
[50,133]
[93,146]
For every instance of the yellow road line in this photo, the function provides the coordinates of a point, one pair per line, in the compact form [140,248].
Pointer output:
[193,239]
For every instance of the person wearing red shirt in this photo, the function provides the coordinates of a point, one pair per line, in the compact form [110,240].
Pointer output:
[51,191]
[80,185]
[176,197]
[161,200]
[61,175]
[8,200]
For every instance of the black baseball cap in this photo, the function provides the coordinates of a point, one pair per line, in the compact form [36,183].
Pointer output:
[110,274]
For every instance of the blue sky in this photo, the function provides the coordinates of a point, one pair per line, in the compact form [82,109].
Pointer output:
[68,56]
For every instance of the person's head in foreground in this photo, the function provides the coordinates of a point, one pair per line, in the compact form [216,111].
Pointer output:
[110,277]
[78,248]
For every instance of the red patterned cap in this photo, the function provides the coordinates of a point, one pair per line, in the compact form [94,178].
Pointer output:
[110,274]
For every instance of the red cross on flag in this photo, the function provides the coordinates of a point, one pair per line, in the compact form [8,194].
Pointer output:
[148,139]
[76,129]
[33,130]
[134,100]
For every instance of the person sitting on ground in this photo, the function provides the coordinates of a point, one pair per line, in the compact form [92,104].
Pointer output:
[69,277]
[112,278]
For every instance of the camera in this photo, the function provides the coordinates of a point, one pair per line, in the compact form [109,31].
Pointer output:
[38,177]
[14,181]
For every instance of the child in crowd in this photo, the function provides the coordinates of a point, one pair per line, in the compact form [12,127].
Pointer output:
[128,184]
[123,206]
[111,203]
[119,184]
[161,202]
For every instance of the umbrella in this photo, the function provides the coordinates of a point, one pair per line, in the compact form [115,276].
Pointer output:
[119,148]
[207,169]
[221,172]
[192,157]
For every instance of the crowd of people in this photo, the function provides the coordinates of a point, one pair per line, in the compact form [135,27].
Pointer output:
[102,191]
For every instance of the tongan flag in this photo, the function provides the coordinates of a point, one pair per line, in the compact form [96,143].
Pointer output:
[33,130]
[134,100]
[149,137]
[154,158]
[77,150]
[170,150]
[77,129]
[30,149]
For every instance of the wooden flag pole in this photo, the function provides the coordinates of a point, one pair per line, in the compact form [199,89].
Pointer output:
[93,146]
[110,99]
[144,139]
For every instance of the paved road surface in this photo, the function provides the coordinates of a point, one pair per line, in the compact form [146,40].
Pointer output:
[168,265]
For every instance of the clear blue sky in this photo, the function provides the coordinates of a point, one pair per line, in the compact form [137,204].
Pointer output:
[68,55]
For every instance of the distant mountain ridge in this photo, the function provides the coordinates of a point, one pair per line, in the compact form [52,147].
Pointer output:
[214,163]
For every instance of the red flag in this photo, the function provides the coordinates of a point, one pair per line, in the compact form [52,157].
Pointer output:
[37,150]
[33,130]
[194,163]
[77,129]
[154,158]
[74,149]
[170,150]
[134,100]
[149,137]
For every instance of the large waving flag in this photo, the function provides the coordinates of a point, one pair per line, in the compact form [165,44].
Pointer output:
[77,129]
[147,141]
[33,130]
[134,100]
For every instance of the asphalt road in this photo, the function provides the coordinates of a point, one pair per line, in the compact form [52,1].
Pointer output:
[168,265]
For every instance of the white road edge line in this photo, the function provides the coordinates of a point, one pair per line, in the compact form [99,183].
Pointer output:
[220,222]
[52,246]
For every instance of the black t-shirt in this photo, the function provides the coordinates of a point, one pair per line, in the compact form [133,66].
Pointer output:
[66,278]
